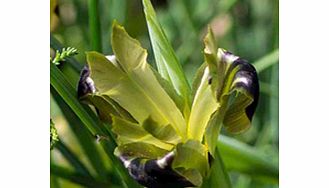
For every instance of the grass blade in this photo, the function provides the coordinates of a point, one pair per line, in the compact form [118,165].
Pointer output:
[118,10]
[54,181]
[75,177]
[73,159]
[94,25]
[68,93]
[267,61]
[274,104]
[219,175]
[87,142]
[166,60]
[188,34]
[240,157]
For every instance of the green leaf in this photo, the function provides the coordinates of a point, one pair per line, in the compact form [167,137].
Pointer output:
[166,60]
[136,81]
[191,156]
[73,159]
[240,157]
[212,131]
[129,132]
[54,181]
[94,25]
[179,101]
[267,61]
[85,139]
[67,92]
[218,174]
[76,177]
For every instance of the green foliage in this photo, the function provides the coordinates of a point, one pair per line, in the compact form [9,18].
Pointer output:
[63,54]
[166,60]
[94,25]
[218,174]
[267,61]
[245,159]
[84,137]
[53,135]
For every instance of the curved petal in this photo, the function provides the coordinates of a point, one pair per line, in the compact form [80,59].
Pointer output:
[235,86]
[242,97]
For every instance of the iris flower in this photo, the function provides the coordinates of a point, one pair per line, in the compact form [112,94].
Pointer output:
[166,133]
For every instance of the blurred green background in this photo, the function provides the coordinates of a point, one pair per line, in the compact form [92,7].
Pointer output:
[247,28]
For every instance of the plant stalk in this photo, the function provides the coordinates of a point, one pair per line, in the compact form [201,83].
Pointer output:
[94,25]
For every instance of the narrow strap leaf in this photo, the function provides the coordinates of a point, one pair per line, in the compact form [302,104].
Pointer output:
[67,92]
[83,136]
[166,60]
[218,173]
[212,131]
[179,101]
[72,159]
[76,177]
[267,61]
[240,157]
